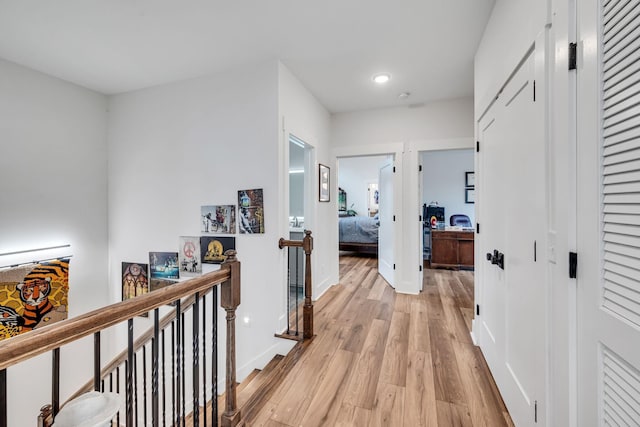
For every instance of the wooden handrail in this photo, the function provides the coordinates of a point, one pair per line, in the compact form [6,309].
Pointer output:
[47,338]
[307,314]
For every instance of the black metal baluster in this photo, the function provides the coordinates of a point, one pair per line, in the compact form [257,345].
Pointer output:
[173,377]
[144,384]
[214,357]
[164,384]
[182,367]
[129,405]
[204,359]
[101,386]
[3,398]
[154,368]
[111,381]
[129,374]
[135,386]
[296,289]
[195,336]
[96,361]
[178,352]
[118,391]
[55,382]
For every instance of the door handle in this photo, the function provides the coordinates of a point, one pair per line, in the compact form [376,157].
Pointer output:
[500,260]
[496,258]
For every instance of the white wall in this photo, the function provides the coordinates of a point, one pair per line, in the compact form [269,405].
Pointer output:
[54,191]
[443,180]
[434,121]
[404,132]
[176,147]
[354,176]
[300,114]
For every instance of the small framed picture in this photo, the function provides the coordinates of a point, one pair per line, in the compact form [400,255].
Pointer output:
[469,195]
[324,182]
[469,179]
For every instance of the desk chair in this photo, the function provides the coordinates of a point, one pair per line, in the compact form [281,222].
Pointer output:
[460,220]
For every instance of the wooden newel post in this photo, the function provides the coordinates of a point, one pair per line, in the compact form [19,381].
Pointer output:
[230,300]
[307,312]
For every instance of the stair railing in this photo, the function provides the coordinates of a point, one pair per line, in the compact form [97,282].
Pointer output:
[189,294]
[306,245]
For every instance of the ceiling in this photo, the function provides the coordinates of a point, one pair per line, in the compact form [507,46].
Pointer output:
[333,46]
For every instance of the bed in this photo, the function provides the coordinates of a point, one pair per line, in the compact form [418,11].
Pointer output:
[359,234]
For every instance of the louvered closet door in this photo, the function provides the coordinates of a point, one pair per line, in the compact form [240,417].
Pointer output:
[608,107]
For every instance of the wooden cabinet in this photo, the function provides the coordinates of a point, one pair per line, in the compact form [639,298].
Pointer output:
[452,249]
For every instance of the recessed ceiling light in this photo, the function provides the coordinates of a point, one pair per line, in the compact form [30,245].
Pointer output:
[381,78]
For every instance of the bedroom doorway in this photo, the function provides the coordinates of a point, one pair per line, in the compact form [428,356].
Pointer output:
[361,201]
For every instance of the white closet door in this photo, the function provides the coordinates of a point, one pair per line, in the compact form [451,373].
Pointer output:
[608,194]
[513,222]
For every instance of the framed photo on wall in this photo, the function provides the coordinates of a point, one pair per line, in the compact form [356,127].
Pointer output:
[469,179]
[469,195]
[324,181]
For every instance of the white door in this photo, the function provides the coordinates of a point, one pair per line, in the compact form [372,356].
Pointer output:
[608,218]
[513,222]
[386,231]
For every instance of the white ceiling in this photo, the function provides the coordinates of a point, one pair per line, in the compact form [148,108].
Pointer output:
[332,46]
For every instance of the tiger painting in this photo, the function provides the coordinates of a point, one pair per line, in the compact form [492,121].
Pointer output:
[42,298]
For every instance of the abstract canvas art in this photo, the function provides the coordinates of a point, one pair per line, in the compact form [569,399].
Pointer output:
[189,256]
[33,295]
[213,248]
[164,265]
[218,219]
[251,211]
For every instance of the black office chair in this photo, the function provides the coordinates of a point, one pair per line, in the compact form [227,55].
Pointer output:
[460,220]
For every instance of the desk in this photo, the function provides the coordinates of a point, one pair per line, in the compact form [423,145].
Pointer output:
[452,249]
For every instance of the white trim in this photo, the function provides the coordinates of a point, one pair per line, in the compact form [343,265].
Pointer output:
[412,206]
[368,150]
[441,144]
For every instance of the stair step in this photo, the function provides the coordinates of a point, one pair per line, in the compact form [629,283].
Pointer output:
[256,383]
[241,386]
[260,395]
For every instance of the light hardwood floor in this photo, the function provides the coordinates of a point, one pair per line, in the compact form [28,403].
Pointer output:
[381,359]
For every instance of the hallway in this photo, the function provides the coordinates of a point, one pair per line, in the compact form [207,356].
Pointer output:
[381,359]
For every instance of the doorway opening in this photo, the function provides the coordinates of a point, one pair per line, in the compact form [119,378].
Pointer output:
[365,209]
[447,190]
[299,191]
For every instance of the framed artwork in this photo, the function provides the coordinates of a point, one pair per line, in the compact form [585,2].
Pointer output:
[218,219]
[251,211]
[134,279]
[33,295]
[189,256]
[324,183]
[213,248]
[164,265]
[469,179]
[469,195]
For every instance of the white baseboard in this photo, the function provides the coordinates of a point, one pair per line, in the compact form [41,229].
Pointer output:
[474,339]
[324,287]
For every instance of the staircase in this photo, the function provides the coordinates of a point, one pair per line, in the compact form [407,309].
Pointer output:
[258,387]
